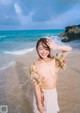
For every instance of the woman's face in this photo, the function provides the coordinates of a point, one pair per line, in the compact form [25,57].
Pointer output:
[43,51]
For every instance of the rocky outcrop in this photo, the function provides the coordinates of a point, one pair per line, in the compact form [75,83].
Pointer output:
[70,33]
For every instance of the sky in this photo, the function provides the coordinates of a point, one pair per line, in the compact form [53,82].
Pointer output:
[38,14]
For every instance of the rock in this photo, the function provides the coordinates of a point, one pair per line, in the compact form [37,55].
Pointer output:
[65,39]
[71,33]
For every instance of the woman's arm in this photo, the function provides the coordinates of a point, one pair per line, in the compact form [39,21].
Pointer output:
[38,96]
[65,49]
[36,82]
[38,93]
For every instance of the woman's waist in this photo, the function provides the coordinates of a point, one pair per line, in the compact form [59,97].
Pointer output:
[49,85]
[49,88]
[52,91]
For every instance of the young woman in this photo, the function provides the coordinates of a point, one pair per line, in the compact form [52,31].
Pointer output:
[44,73]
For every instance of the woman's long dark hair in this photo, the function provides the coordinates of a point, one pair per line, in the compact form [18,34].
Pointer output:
[43,41]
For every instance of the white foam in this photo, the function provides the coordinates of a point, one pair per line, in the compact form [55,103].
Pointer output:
[8,65]
[19,52]
[56,39]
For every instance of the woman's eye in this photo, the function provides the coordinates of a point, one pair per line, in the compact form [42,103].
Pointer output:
[40,49]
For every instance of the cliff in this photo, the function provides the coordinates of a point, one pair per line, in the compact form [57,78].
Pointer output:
[70,33]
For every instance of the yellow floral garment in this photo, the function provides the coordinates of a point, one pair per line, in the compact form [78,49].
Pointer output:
[60,62]
[36,80]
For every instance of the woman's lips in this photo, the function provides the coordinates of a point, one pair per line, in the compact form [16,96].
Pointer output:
[43,54]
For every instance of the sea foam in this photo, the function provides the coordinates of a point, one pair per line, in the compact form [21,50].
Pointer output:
[56,39]
[19,52]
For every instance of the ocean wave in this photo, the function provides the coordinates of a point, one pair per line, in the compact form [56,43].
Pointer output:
[56,39]
[2,36]
[8,65]
[19,52]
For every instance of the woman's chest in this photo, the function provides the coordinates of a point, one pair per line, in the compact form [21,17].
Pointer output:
[46,71]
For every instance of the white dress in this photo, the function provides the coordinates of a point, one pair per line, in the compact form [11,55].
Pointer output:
[50,102]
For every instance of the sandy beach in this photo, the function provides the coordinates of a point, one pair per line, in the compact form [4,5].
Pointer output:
[16,89]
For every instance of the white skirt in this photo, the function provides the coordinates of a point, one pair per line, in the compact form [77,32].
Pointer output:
[50,102]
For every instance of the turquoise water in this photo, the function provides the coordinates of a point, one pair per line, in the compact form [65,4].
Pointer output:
[20,42]
[16,40]
[23,41]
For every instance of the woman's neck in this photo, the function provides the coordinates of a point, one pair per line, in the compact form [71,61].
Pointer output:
[45,59]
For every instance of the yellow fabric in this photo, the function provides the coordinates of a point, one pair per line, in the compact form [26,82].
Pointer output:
[37,81]
[60,61]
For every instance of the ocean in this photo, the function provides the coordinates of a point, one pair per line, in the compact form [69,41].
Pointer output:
[20,42]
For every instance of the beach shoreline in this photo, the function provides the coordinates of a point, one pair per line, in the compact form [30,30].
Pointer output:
[16,89]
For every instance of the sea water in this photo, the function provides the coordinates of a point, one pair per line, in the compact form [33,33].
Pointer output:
[20,42]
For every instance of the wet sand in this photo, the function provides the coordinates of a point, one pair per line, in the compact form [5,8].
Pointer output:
[16,89]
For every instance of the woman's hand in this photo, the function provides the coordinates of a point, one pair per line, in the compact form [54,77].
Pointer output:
[65,49]
[40,108]
[51,44]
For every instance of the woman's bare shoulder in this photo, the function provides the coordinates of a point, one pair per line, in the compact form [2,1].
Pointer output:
[33,67]
[53,59]
[35,64]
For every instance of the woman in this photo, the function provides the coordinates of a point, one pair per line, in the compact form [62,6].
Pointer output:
[44,73]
